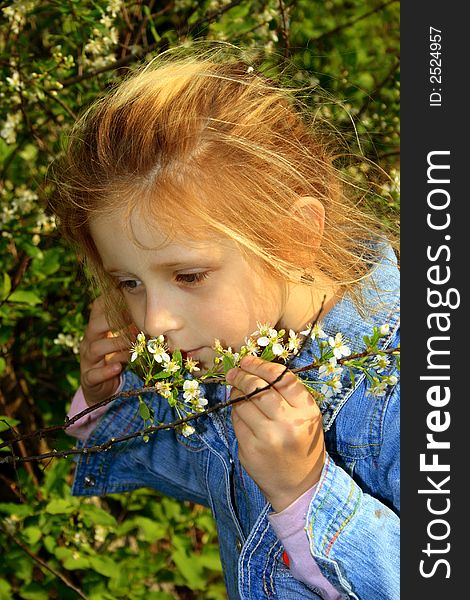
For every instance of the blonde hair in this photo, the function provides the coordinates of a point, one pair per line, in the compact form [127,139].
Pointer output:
[208,147]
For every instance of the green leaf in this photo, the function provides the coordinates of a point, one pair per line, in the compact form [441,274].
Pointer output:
[3,365]
[104,565]
[210,558]
[32,534]
[18,510]
[7,422]
[353,379]
[6,287]
[178,357]
[60,506]
[157,38]
[74,563]
[5,590]
[150,530]
[25,297]
[144,411]
[267,353]
[34,591]
[161,375]
[228,363]
[55,477]
[71,559]
[48,263]
[50,543]
[94,515]
[191,570]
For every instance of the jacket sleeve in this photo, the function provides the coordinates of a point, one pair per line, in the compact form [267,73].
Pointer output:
[355,536]
[168,462]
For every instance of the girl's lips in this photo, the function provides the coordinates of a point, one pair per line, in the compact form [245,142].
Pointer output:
[190,353]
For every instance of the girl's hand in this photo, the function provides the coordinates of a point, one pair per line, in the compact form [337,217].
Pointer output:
[101,355]
[279,431]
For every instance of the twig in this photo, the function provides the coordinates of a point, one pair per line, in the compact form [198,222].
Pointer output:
[284,29]
[24,261]
[154,428]
[149,389]
[352,21]
[377,89]
[62,104]
[388,154]
[140,433]
[210,17]
[130,58]
[43,564]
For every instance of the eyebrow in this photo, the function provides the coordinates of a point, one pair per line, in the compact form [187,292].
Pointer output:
[166,265]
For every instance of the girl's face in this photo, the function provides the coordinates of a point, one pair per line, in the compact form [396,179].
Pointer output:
[191,291]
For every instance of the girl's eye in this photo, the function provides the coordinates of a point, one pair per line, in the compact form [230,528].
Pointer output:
[128,285]
[192,278]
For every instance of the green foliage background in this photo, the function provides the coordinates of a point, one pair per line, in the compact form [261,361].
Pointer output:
[55,57]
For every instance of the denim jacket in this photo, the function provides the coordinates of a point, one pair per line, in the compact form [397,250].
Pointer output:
[352,524]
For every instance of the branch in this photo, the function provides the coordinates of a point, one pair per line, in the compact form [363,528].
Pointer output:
[284,29]
[124,438]
[378,88]
[154,428]
[209,18]
[24,261]
[130,58]
[352,21]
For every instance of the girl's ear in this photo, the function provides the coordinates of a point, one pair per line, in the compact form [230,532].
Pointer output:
[312,212]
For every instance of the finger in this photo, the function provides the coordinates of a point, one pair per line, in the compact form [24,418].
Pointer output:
[284,382]
[97,321]
[241,426]
[96,350]
[93,378]
[117,357]
[269,401]
[101,392]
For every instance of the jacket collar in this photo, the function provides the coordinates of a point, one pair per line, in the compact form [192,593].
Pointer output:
[381,292]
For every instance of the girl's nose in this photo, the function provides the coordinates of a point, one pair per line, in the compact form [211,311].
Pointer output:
[160,319]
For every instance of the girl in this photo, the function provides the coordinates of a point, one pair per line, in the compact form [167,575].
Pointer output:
[203,203]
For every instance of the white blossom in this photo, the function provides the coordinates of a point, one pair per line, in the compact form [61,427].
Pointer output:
[114,6]
[331,388]
[8,131]
[390,379]
[164,388]
[187,430]
[68,341]
[191,389]
[294,342]
[380,363]
[315,332]
[250,347]
[338,346]
[15,82]
[172,366]
[329,369]
[156,347]
[138,346]
[191,365]
[378,388]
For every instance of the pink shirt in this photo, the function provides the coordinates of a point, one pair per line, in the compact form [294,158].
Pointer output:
[288,525]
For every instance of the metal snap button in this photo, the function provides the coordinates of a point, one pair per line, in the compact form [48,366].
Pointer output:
[239,544]
[89,481]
